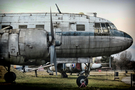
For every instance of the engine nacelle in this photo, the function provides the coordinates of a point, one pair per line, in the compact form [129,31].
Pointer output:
[18,46]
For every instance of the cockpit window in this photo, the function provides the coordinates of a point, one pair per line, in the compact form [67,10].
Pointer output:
[107,25]
[102,28]
[112,26]
[103,25]
[105,29]
[97,25]
[97,28]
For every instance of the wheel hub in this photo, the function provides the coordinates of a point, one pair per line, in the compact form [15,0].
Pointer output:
[82,80]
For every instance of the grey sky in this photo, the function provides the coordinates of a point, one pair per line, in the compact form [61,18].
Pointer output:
[120,12]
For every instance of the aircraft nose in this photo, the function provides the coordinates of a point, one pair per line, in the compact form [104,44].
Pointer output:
[128,38]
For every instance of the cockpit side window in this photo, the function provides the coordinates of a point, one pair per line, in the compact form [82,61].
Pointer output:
[97,25]
[107,26]
[97,28]
[102,29]
[105,30]
[103,25]
[112,26]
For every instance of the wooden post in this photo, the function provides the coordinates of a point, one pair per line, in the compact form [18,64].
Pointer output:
[36,73]
[131,79]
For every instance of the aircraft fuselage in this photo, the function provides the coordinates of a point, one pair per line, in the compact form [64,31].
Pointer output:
[80,36]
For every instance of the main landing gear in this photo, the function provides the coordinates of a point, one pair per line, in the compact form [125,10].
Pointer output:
[9,76]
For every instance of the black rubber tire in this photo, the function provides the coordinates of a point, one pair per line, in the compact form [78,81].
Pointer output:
[10,77]
[80,78]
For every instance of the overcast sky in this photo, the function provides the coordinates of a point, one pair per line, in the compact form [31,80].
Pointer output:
[120,12]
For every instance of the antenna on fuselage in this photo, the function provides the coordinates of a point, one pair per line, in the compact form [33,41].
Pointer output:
[58,9]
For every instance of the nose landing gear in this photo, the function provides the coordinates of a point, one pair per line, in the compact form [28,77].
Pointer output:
[82,79]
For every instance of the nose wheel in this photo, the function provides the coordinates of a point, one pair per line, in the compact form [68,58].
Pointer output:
[82,79]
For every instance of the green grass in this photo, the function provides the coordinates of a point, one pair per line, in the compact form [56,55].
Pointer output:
[96,82]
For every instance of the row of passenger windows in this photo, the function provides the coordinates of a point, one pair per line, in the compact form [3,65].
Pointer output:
[23,26]
[79,27]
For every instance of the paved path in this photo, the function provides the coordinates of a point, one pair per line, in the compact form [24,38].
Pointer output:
[126,80]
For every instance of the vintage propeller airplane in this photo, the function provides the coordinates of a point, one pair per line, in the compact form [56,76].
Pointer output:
[35,38]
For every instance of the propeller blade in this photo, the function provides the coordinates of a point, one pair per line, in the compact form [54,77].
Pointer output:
[51,26]
[58,9]
[53,57]
[55,62]
[51,54]
[52,45]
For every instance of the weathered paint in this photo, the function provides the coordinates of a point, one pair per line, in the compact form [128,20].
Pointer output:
[71,43]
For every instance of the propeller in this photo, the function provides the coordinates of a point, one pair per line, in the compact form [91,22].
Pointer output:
[58,9]
[52,45]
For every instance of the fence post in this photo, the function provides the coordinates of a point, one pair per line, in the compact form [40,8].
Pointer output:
[131,79]
[36,73]
[116,75]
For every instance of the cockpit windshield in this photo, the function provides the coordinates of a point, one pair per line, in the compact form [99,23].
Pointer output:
[112,26]
[104,28]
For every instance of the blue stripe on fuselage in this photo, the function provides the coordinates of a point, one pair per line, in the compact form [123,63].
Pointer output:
[84,33]
[116,33]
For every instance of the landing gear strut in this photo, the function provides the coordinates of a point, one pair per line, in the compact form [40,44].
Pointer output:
[9,76]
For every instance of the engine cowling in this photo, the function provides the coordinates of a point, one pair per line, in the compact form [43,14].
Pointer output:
[18,46]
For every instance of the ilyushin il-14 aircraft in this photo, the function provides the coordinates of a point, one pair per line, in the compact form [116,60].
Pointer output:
[35,38]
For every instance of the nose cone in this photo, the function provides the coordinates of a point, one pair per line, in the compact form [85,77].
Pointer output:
[128,36]
[128,39]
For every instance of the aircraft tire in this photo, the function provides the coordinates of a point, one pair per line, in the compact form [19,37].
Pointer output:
[80,79]
[10,77]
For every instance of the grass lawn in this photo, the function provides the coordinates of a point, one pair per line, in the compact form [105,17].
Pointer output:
[46,82]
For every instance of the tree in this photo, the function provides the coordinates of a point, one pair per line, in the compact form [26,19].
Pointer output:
[114,63]
[132,65]
[125,58]
[119,64]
